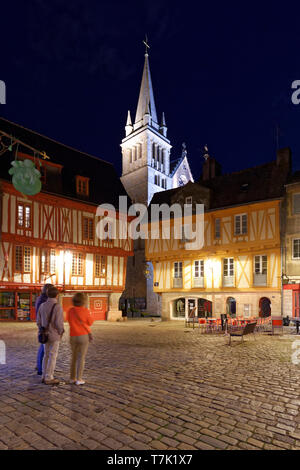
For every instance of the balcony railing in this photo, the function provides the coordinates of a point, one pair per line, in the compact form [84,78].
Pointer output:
[177,282]
[259,279]
[198,282]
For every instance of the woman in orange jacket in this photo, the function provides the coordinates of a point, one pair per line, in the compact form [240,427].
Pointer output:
[80,320]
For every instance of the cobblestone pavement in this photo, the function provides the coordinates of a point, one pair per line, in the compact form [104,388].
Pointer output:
[152,386]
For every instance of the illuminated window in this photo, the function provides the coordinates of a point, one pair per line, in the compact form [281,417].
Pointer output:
[88,228]
[27,259]
[178,269]
[22,259]
[77,264]
[18,259]
[240,224]
[199,268]
[48,261]
[23,215]
[82,186]
[228,267]
[100,266]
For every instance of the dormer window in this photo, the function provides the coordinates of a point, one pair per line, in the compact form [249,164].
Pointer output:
[82,185]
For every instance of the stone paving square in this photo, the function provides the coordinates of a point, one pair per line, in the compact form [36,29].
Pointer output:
[152,386]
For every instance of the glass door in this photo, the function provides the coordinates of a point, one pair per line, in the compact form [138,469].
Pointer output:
[23,306]
[191,304]
[7,306]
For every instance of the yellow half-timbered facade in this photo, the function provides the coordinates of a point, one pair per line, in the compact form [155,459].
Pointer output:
[238,269]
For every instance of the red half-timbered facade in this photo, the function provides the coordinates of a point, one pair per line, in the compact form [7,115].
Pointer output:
[51,238]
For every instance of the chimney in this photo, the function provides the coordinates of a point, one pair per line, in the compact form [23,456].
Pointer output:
[284,157]
[211,168]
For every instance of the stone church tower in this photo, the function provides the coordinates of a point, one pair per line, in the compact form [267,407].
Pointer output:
[147,169]
[145,149]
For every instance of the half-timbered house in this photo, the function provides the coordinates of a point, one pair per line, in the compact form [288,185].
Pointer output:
[238,269]
[51,237]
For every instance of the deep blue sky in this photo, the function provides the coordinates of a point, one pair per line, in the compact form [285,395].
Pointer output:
[222,73]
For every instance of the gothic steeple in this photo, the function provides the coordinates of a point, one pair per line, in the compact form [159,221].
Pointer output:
[146,101]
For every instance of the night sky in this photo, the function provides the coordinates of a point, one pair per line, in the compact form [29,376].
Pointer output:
[222,73]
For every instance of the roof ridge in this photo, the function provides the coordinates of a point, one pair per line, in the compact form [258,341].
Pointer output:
[55,141]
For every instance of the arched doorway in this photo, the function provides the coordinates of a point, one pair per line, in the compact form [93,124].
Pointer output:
[264,307]
[204,308]
[231,307]
[179,308]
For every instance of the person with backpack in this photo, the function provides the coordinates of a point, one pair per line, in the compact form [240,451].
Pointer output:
[51,322]
[39,301]
[80,320]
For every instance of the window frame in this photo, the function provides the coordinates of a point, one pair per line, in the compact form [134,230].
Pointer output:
[78,255]
[100,275]
[293,248]
[23,261]
[50,269]
[177,269]
[261,264]
[240,218]
[293,204]
[24,206]
[217,237]
[227,261]
[90,229]
[82,180]
[200,269]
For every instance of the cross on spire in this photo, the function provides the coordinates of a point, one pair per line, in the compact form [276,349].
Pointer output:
[146,44]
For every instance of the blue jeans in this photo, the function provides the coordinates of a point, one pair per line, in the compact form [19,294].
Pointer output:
[39,360]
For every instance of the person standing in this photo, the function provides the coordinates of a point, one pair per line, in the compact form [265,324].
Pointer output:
[39,301]
[51,318]
[80,320]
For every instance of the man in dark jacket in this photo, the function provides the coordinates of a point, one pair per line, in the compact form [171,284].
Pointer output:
[39,301]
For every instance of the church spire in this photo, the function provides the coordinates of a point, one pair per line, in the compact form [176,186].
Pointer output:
[146,97]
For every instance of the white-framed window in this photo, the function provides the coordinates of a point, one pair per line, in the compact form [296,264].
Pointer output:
[228,267]
[77,264]
[23,215]
[199,268]
[48,261]
[178,269]
[260,264]
[22,262]
[296,248]
[296,204]
[157,180]
[240,224]
[100,266]
[217,228]
[164,183]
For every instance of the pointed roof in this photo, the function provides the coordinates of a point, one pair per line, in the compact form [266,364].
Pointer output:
[128,122]
[146,97]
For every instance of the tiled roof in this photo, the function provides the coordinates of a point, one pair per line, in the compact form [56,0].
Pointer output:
[253,184]
[104,183]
